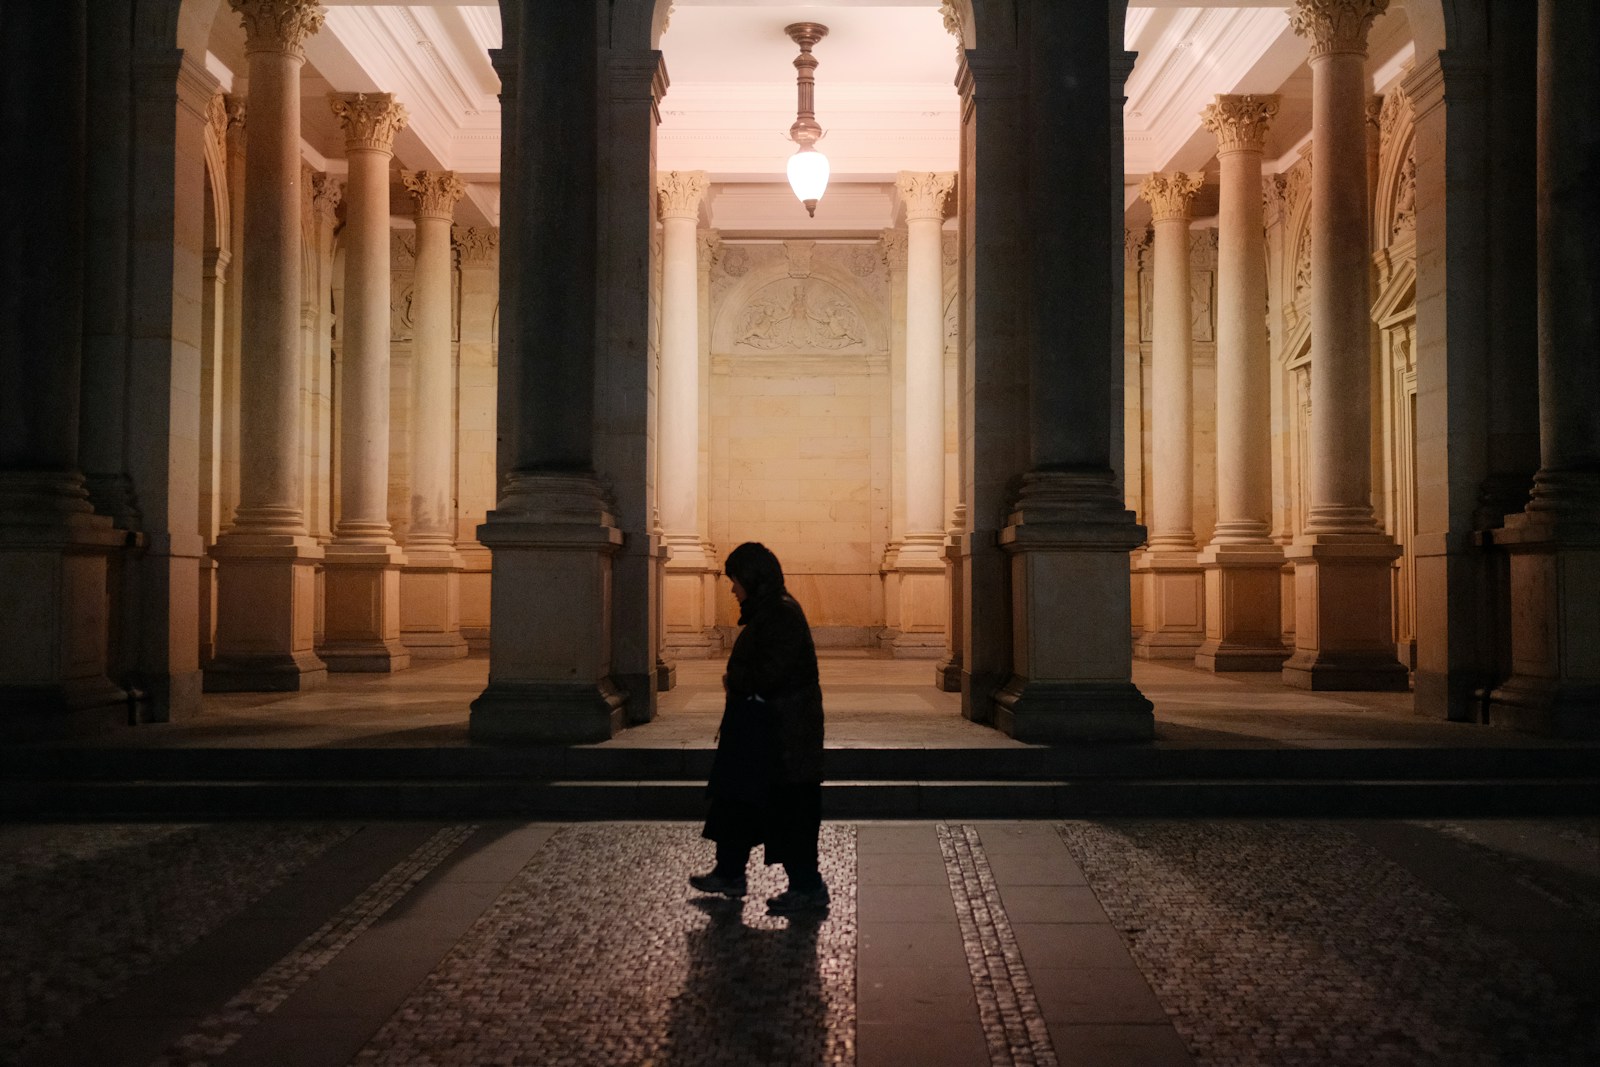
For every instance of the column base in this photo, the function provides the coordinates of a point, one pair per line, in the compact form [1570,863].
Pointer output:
[550,636]
[547,713]
[689,591]
[921,591]
[266,614]
[1065,713]
[476,565]
[53,568]
[1068,541]
[430,605]
[1174,616]
[1554,688]
[1344,615]
[1243,612]
[361,619]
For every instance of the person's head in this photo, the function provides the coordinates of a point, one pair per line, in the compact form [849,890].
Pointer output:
[754,571]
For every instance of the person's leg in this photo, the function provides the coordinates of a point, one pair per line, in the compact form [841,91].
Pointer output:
[802,824]
[732,859]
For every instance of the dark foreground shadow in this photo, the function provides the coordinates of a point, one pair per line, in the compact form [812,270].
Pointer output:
[752,996]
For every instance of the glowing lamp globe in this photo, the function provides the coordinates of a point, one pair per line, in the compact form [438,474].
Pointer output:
[808,177]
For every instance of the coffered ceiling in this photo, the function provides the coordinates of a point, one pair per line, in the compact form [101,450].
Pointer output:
[885,93]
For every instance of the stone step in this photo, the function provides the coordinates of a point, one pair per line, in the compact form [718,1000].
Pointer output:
[41,798]
[691,765]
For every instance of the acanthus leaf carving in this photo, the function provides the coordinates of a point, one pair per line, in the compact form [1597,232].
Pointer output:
[370,120]
[1170,194]
[476,247]
[278,25]
[435,192]
[1335,25]
[679,193]
[1240,121]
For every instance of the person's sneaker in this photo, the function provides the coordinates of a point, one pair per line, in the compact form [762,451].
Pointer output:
[794,901]
[716,883]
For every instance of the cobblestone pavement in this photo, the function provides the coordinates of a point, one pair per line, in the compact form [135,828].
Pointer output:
[632,972]
[84,910]
[1143,942]
[1295,943]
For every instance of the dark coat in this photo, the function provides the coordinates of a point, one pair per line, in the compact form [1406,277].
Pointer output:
[766,778]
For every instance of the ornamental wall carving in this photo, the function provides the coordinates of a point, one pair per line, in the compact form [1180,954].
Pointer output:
[798,297]
[476,246]
[1202,283]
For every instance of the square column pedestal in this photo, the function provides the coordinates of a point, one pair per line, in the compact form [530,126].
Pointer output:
[1344,614]
[919,584]
[53,676]
[1554,687]
[266,614]
[1244,611]
[361,611]
[689,594]
[430,604]
[1072,657]
[1174,617]
[550,634]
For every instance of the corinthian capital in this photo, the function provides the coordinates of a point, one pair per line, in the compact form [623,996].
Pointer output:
[1170,194]
[434,191]
[1240,122]
[326,193]
[1335,25]
[370,120]
[924,192]
[679,192]
[278,25]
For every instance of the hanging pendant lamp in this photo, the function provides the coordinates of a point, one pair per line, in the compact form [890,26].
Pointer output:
[808,168]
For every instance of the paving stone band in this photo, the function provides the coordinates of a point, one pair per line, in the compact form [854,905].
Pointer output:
[217,1033]
[1013,1026]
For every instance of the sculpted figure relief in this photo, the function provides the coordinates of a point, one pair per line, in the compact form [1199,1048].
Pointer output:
[808,319]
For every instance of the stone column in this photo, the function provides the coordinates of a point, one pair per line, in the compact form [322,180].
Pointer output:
[892,245]
[1554,543]
[1068,535]
[1174,584]
[266,563]
[361,625]
[1344,633]
[554,532]
[1243,564]
[477,256]
[692,566]
[920,563]
[430,583]
[52,547]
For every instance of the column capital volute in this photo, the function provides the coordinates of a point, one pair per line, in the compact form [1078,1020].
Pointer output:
[1335,26]
[326,193]
[679,192]
[925,193]
[279,25]
[435,192]
[895,243]
[1170,194]
[1240,121]
[707,246]
[370,120]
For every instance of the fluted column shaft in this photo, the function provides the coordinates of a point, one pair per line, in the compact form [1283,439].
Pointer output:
[1341,402]
[678,431]
[370,121]
[1244,434]
[432,447]
[1171,376]
[924,196]
[270,498]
